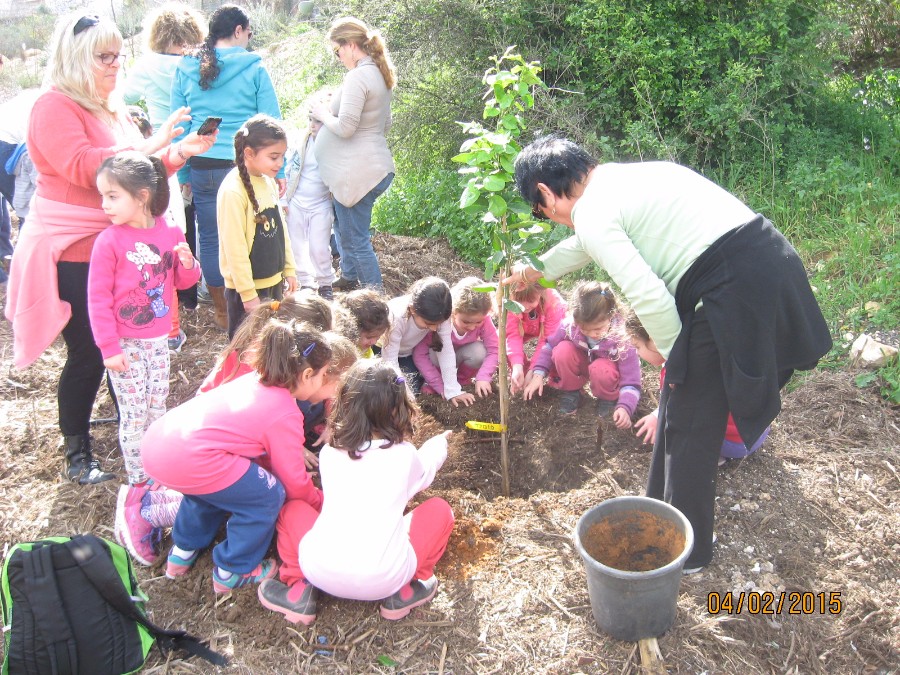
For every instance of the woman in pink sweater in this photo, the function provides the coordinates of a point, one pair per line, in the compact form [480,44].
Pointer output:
[236,452]
[74,126]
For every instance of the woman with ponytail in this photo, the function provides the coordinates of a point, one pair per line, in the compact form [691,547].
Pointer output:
[255,254]
[221,79]
[354,159]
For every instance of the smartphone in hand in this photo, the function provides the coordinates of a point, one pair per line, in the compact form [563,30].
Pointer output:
[210,124]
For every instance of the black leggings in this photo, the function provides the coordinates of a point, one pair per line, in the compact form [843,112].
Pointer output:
[691,427]
[80,379]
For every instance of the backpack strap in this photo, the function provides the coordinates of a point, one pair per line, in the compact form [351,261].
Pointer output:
[93,559]
[46,605]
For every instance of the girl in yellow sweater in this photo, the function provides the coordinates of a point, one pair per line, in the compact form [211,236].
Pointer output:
[254,249]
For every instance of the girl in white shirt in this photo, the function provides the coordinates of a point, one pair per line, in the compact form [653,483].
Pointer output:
[361,546]
[425,309]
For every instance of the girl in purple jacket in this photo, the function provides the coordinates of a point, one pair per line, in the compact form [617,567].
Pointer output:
[590,346]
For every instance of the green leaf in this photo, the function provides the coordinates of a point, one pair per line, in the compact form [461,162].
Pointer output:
[490,111]
[513,306]
[865,379]
[497,205]
[486,288]
[469,196]
[387,661]
[494,183]
[547,283]
[462,157]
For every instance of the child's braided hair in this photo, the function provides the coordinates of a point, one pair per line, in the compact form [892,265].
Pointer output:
[259,132]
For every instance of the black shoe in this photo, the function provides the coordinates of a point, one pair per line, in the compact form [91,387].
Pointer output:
[345,285]
[326,293]
[83,468]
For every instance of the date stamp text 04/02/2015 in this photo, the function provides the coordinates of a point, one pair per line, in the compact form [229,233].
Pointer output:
[784,602]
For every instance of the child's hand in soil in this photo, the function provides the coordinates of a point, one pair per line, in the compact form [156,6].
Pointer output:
[483,388]
[465,398]
[645,428]
[310,459]
[621,418]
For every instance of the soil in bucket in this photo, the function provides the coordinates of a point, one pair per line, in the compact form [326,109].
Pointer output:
[633,541]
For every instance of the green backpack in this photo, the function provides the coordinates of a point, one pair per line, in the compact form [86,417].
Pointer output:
[72,606]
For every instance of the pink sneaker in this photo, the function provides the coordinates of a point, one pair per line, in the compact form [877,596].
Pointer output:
[132,531]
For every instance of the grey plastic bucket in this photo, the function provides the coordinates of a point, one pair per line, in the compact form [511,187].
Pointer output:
[633,605]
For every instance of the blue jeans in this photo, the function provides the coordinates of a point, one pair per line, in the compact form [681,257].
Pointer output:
[205,186]
[358,260]
[253,501]
[6,247]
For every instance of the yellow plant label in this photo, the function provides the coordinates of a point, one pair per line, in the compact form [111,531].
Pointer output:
[486,426]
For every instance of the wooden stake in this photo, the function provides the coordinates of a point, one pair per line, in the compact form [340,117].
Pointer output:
[651,658]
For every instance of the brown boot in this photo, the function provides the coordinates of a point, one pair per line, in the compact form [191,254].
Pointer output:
[217,293]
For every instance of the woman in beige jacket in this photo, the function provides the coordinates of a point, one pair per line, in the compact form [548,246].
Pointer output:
[354,159]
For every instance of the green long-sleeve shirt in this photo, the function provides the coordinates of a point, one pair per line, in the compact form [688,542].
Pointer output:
[645,224]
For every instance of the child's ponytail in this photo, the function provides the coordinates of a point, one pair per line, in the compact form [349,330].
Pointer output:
[286,350]
[159,203]
[134,172]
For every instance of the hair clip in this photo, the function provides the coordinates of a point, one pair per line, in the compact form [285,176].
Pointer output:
[400,380]
[308,350]
[274,305]
[244,131]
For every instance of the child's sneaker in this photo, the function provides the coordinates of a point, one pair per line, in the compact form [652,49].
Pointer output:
[416,592]
[297,602]
[568,402]
[326,293]
[176,566]
[177,342]
[604,407]
[132,531]
[265,570]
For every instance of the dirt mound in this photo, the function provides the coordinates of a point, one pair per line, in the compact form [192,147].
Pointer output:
[815,511]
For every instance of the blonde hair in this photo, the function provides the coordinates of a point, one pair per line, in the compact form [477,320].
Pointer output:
[350,29]
[71,66]
[343,354]
[469,301]
[174,24]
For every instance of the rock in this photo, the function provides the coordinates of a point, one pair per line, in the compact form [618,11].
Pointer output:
[869,353]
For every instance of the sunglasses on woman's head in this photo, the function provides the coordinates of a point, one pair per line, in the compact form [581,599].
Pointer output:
[85,22]
[337,49]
